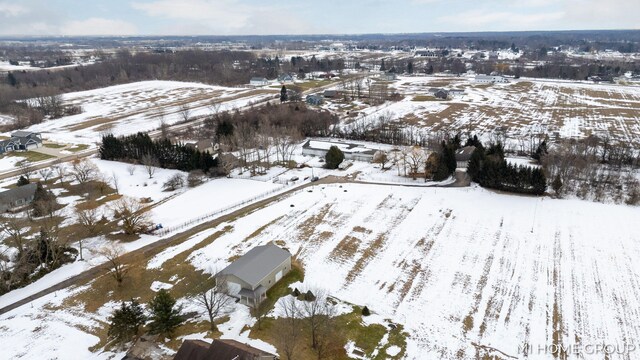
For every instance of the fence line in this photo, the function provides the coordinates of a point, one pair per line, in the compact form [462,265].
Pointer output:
[168,230]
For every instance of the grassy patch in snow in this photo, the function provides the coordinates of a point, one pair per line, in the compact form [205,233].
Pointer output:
[29,156]
[78,148]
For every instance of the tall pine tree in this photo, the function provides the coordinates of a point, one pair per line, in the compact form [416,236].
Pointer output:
[165,316]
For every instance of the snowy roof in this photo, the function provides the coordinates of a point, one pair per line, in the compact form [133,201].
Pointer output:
[344,147]
[257,263]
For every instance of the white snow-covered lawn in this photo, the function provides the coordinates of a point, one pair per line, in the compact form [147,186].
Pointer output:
[209,197]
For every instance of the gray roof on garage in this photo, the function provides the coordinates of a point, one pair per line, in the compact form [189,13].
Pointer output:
[257,263]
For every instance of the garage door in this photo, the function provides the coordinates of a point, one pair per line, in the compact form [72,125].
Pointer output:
[234,288]
[279,275]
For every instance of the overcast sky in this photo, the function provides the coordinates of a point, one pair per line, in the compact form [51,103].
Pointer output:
[262,17]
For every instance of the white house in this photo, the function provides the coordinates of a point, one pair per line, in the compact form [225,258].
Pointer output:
[491,79]
[258,81]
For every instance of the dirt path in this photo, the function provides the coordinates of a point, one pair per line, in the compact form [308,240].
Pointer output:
[156,247]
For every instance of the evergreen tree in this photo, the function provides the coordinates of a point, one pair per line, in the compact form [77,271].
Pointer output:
[540,151]
[224,128]
[125,322]
[557,185]
[22,181]
[11,79]
[165,316]
[475,163]
[365,311]
[283,94]
[382,66]
[410,67]
[333,158]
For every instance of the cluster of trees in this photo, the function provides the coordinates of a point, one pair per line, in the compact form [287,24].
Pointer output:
[594,168]
[488,168]
[34,256]
[313,313]
[263,136]
[163,318]
[140,148]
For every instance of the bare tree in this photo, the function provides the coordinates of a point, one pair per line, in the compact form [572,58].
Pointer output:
[174,182]
[215,302]
[288,329]
[131,168]
[185,112]
[113,253]
[150,163]
[115,182]
[131,212]
[25,169]
[60,171]
[381,157]
[313,310]
[84,170]
[45,174]
[89,219]
[15,235]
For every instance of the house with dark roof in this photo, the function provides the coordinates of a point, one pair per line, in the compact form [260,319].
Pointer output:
[220,349]
[17,198]
[286,78]
[8,145]
[463,156]
[250,276]
[314,99]
[27,140]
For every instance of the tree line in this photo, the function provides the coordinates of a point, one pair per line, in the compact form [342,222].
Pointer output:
[140,148]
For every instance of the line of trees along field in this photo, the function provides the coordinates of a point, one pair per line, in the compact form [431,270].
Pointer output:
[140,148]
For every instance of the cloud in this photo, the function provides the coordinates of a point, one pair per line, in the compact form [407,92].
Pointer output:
[479,20]
[12,10]
[223,17]
[98,26]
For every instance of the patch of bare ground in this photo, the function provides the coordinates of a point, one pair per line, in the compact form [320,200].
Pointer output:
[369,253]
[307,228]
[411,271]
[346,248]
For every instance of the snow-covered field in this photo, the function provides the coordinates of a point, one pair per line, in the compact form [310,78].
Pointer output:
[522,272]
[140,106]
[527,270]
[520,108]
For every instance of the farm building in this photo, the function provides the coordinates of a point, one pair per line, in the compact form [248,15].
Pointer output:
[15,199]
[330,94]
[220,349]
[258,81]
[251,275]
[351,151]
[463,156]
[491,79]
